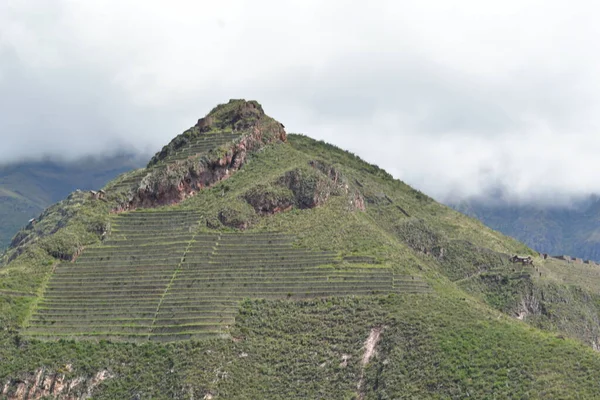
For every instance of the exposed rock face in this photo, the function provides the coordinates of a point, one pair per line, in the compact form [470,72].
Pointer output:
[180,180]
[332,173]
[268,200]
[304,188]
[357,202]
[311,189]
[236,116]
[234,218]
[530,305]
[47,384]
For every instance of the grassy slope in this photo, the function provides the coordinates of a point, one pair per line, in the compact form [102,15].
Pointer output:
[560,296]
[432,347]
[447,344]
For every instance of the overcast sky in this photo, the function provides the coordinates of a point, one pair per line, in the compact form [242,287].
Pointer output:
[455,98]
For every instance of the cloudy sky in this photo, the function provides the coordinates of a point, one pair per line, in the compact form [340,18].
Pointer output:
[456,98]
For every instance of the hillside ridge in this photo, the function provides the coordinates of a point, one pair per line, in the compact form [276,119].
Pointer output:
[169,179]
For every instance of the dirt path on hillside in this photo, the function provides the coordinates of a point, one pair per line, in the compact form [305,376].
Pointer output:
[370,345]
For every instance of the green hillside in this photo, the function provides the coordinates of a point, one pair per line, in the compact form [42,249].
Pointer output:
[27,188]
[245,263]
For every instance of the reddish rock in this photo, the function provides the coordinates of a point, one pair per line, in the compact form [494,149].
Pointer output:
[182,179]
[44,384]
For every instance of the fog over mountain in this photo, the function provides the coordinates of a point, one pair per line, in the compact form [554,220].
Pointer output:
[458,100]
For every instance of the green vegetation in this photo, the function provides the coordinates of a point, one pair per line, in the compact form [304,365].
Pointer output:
[306,273]
[431,347]
[159,278]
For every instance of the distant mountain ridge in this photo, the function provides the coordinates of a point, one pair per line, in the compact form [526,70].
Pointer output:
[27,188]
[559,230]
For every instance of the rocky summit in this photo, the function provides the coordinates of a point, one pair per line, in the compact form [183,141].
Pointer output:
[244,262]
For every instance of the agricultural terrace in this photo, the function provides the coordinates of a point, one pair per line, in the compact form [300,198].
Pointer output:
[198,146]
[202,144]
[160,277]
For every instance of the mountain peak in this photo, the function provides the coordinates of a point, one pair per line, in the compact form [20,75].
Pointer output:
[236,115]
[236,118]
[228,114]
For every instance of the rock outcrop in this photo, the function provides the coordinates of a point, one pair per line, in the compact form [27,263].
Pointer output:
[304,187]
[48,384]
[180,180]
[267,200]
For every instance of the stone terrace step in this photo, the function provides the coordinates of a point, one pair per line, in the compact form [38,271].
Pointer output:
[159,279]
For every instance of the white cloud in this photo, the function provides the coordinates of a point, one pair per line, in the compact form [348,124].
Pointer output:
[456,98]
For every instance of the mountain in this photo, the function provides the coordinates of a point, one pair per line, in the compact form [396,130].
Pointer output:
[572,230]
[27,188]
[246,263]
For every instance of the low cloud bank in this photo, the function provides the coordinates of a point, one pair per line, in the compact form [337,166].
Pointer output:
[475,100]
